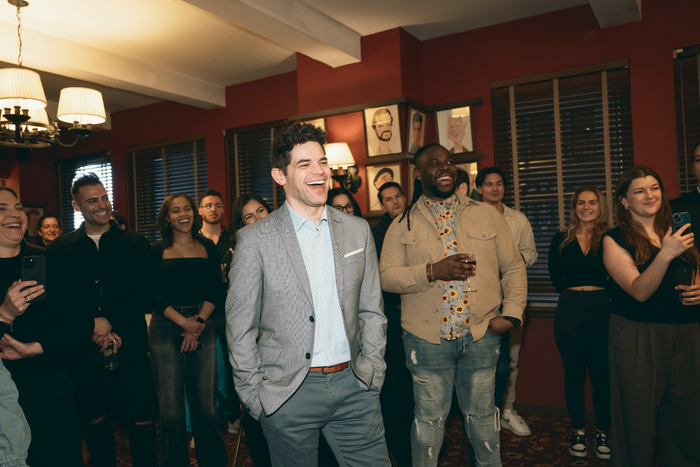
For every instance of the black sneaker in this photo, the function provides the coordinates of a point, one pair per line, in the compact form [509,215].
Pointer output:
[602,447]
[578,447]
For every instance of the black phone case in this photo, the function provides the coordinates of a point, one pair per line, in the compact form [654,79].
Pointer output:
[34,269]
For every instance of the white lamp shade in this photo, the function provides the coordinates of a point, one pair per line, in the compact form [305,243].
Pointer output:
[21,87]
[81,105]
[38,120]
[339,155]
[460,112]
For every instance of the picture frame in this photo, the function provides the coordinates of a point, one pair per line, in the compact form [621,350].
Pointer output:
[383,131]
[415,129]
[454,129]
[34,213]
[376,176]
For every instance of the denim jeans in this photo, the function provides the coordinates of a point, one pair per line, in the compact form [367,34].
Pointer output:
[172,371]
[15,438]
[467,366]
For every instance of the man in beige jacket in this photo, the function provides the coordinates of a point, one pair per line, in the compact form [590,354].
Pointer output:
[451,333]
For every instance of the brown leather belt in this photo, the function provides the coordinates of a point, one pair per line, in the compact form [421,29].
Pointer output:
[324,370]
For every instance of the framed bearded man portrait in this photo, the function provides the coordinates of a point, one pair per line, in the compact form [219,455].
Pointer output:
[383,131]
[416,130]
[454,129]
[377,176]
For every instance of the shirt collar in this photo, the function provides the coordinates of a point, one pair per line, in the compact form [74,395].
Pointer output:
[298,220]
[451,200]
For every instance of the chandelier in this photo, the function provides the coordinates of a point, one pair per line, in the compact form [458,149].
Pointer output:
[24,122]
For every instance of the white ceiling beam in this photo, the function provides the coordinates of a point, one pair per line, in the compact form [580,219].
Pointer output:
[616,12]
[292,25]
[66,58]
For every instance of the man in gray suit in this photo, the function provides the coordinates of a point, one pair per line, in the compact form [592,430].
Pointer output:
[305,278]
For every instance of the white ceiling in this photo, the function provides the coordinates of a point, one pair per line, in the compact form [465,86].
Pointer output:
[141,51]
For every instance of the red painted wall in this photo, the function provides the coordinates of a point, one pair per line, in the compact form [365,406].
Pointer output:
[456,67]
[565,39]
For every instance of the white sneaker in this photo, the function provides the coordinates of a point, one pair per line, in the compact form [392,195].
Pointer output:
[192,443]
[234,427]
[510,420]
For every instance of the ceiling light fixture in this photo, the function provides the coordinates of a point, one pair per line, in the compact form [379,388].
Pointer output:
[24,122]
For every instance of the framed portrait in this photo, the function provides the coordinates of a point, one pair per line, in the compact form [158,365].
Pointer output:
[383,131]
[378,175]
[454,129]
[416,130]
[472,169]
[318,123]
[33,213]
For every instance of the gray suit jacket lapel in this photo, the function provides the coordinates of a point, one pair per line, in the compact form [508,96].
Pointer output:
[338,240]
[291,243]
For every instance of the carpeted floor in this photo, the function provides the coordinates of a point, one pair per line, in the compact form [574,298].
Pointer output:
[546,447]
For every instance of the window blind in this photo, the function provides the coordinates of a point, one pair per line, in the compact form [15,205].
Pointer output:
[554,136]
[248,162]
[156,172]
[69,170]
[687,97]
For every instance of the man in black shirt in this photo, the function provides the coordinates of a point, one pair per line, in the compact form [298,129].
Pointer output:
[111,282]
[396,397]
[690,202]
[211,208]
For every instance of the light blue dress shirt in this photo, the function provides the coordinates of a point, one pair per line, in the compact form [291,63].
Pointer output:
[330,339]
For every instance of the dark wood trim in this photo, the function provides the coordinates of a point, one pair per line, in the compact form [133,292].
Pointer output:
[259,126]
[359,108]
[185,139]
[685,52]
[550,75]
[454,105]
[381,160]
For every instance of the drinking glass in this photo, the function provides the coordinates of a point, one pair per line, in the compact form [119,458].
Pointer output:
[471,259]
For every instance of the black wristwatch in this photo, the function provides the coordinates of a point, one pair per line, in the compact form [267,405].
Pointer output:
[199,319]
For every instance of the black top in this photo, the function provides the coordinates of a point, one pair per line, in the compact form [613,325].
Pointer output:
[112,282]
[185,281]
[56,323]
[571,268]
[664,305]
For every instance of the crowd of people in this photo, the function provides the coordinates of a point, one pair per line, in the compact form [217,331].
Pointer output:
[338,335]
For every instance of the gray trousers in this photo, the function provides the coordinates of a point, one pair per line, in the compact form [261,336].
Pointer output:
[654,382]
[349,417]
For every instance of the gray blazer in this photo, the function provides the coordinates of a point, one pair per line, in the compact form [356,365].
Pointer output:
[270,294]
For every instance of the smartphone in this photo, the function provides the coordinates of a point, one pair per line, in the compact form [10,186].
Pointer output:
[34,269]
[679,220]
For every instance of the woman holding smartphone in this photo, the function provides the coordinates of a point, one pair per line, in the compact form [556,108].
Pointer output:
[39,330]
[181,338]
[654,335]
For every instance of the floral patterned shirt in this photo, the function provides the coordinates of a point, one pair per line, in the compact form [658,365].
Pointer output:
[455,301]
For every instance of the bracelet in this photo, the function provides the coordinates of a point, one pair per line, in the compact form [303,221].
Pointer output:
[6,321]
[429,272]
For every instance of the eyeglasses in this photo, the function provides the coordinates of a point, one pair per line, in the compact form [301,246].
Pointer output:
[210,206]
[349,208]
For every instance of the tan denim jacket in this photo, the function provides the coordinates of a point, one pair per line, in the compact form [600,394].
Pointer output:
[500,274]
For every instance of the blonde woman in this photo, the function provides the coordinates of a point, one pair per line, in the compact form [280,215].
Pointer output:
[581,321]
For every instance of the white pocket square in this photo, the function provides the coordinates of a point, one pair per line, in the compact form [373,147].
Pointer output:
[355,252]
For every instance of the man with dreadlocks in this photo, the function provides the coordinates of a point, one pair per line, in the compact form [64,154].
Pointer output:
[452,335]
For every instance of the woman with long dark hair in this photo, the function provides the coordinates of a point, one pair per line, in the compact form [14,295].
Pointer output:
[39,329]
[181,337]
[342,200]
[248,209]
[581,321]
[654,334]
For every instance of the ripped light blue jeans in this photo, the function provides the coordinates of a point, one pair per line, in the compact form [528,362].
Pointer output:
[470,368]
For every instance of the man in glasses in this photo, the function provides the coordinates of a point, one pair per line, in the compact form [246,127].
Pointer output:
[211,208]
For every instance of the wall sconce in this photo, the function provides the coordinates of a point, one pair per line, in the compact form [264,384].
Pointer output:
[339,155]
